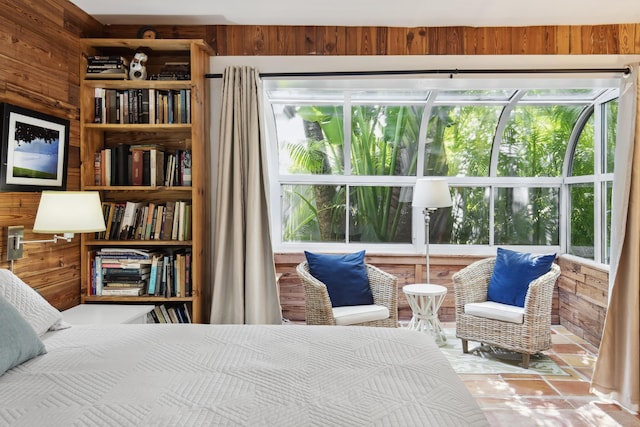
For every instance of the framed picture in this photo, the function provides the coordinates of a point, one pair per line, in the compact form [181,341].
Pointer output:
[34,150]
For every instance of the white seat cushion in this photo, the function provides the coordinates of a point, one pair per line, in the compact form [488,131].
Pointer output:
[496,311]
[351,314]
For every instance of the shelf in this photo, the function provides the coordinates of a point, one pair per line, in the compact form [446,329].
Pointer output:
[138,84]
[178,188]
[172,139]
[125,243]
[139,127]
[153,44]
[141,298]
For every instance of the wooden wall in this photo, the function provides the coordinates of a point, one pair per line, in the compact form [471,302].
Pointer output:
[228,40]
[39,68]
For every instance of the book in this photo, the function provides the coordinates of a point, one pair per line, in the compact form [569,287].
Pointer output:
[98,105]
[136,167]
[97,168]
[186,313]
[149,222]
[128,253]
[165,233]
[186,168]
[153,276]
[121,291]
[127,221]
[114,232]
[173,315]
[146,168]
[181,206]
[159,221]
[165,313]
[159,314]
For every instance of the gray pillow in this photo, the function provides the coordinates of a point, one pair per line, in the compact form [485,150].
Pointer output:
[18,341]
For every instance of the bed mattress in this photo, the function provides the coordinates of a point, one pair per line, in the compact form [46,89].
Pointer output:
[236,375]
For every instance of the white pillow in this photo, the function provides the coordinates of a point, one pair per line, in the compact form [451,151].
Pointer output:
[41,315]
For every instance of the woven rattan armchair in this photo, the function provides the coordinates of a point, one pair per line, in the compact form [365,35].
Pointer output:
[529,337]
[319,311]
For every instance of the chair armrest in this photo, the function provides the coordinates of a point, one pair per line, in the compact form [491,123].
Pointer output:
[316,297]
[540,293]
[384,287]
[471,283]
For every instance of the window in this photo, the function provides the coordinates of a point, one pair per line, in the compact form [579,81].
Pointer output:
[529,163]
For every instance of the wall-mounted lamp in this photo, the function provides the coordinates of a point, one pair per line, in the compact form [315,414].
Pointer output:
[66,212]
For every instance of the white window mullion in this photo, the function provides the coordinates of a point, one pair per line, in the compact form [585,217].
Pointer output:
[598,143]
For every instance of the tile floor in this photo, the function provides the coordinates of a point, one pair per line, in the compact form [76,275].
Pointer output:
[536,400]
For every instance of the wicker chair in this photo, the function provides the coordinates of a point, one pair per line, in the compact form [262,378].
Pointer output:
[319,311]
[529,337]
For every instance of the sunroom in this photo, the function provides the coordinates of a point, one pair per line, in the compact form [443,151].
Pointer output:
[527,149]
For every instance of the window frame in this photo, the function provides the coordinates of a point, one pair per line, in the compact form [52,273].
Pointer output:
[418,240]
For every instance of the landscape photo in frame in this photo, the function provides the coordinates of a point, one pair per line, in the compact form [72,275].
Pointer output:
[34,150]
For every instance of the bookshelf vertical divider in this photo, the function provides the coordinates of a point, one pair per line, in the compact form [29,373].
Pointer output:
[176,80]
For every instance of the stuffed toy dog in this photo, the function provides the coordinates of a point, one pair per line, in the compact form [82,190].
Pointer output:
[137,70]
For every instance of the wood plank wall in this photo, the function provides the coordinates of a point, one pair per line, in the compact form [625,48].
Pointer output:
[39,60]
[229,40]
[39,70]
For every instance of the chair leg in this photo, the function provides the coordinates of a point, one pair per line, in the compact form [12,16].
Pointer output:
[465,346]
[525,360]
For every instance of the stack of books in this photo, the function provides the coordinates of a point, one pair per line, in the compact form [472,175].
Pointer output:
[121,271]
[107,67]
[176,313]
[173,71]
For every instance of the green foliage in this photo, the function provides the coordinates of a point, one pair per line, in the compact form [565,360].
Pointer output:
[460,140]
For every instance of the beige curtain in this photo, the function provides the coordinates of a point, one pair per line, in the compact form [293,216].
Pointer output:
[244,281]
[617,371]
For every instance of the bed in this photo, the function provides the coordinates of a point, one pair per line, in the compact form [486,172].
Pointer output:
[233,375]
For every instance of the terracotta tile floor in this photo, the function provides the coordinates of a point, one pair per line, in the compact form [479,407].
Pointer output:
[536,400]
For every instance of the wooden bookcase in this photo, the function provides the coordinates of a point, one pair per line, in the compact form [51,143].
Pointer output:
[193,135]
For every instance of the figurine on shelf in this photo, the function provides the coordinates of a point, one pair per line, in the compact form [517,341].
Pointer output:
[137,69]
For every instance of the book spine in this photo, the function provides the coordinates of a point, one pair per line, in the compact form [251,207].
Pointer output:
[97,168]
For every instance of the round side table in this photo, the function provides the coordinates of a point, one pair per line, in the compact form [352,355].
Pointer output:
[425,300]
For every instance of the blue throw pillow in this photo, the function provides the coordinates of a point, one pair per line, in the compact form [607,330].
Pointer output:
[18,341]
[344,275]
[512,274]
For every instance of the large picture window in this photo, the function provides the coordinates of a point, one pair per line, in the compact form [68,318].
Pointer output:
[529,164]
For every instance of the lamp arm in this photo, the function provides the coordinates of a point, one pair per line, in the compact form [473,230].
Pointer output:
[66,236]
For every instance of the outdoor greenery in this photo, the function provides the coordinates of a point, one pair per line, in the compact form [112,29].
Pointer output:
[341,143]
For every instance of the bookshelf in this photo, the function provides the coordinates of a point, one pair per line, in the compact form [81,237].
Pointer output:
[168,115]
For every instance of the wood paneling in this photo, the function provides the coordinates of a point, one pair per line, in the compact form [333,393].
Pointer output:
[308,40]
[39,70]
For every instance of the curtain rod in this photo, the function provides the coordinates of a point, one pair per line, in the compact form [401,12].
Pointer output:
[451,73]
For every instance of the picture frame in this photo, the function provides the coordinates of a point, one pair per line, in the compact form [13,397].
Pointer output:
[34,150]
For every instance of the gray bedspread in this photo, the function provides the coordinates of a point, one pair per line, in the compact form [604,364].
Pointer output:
[233,375]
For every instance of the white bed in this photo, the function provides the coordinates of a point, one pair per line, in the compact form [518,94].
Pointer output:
[205,375]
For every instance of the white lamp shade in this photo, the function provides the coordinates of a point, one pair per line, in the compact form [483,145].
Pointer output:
[431,193]
[69,212]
